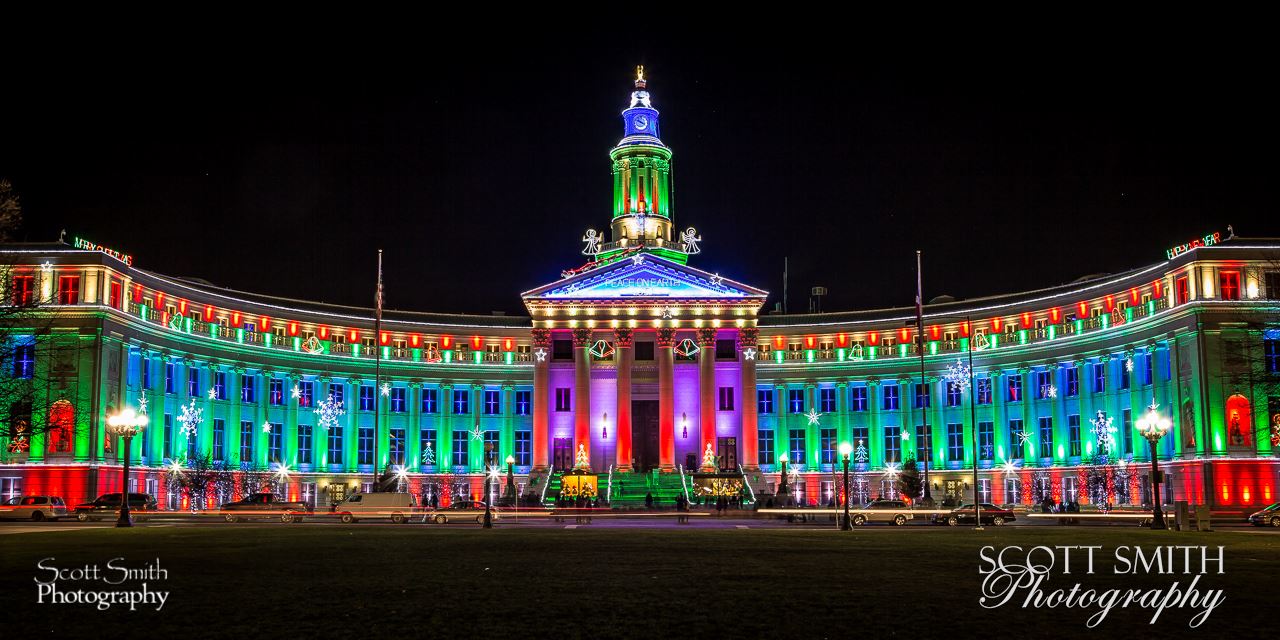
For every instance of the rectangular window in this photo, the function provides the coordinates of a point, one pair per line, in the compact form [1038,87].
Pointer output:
[248,387]
[764,404]
[492,402]
[644,351]
[1044,382]
[395,446]
[795,444]
[398,402]
[1046,437]
[1099,377]
[984,490]
[1073,434]
[113,295]
[827,400]
[983,385]
[858,399]
[68,289]
[986,440]
[1017,440]
[246,441]
[193,382]
[304,444]
[364,445]
[1126,430]
[427,446]
[1148,367]
[1073,382]
[1015,387]
[1229,285]
[306,393]
[563,399]
[144,371]
[366,401]
[922,396]
[460,444]
[275,443]
[1126,369]
[429,401]
[524,402]
[491,448]
[1271,280]
[24,361]
[795,400]
[524,448]
[954,395]
[726,349]
[219,439]
[1271,355]
[170,380]
[890,397]
[276,394]
[892,444]
[861,437]
[24,290]
[168,435]
[338,391]
[726,398]
[827,443]
[924,444]
[955,442]
[334,454]
[1182,290]
[764,447]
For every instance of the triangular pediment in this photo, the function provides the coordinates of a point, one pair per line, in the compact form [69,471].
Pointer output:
[644,276]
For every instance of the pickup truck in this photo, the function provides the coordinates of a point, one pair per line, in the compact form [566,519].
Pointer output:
[264,505]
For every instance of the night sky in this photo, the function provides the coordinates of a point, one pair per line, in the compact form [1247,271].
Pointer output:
[477,167]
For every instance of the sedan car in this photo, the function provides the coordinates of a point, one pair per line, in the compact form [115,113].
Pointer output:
[991,514]
[264,505]
[34,508]
[460,511]
[1269,516]
[895,511]
[107,505]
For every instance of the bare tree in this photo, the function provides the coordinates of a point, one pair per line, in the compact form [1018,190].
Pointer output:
[199,479]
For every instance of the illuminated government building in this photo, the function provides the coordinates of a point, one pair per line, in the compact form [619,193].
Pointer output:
[638,362]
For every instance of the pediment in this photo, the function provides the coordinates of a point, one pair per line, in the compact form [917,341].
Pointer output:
[645,276]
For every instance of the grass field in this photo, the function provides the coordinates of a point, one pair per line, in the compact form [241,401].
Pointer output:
[383,582]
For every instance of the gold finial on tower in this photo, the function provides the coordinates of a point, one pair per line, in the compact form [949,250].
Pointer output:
[640,82]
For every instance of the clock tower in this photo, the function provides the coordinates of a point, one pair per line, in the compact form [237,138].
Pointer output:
[642,218]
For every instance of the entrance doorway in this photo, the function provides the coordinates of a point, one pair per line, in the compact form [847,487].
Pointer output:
[644,434]
[727,453]
[562,454]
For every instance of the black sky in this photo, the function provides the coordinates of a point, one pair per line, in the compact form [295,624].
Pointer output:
[477,164]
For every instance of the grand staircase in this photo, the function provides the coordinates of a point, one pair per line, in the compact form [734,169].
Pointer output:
[628,490]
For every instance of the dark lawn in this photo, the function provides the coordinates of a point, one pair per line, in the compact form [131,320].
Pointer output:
[425,581]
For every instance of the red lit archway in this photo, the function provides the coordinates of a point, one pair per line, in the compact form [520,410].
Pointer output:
[1239,421]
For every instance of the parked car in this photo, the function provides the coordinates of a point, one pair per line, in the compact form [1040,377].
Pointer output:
[397,506]
[264,505]
[895,511]
[460,511]
[107,505]
[1269,515]
[35,508]
[963,514]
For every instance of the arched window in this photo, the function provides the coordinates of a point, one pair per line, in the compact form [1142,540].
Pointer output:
[62,422]
[1239,421]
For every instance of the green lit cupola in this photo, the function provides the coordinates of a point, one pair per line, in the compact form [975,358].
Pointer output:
[642,218]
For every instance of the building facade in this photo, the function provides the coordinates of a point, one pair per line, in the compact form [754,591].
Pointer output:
[641,368]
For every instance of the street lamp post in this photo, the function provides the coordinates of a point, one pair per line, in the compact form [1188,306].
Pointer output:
[488,508]
[783,490]
[510,490]
[1153,426]
[126,424]
[845,450]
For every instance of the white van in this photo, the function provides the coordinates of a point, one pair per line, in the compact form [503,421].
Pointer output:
[397,506]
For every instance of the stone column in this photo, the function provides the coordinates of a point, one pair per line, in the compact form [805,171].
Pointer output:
[413,433]
[747,339]
[444,457]
[581,390]
[666,343]
[541,399]
[706,391]
[623,356]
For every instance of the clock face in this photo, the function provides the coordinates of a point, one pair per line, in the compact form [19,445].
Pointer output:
[641,122]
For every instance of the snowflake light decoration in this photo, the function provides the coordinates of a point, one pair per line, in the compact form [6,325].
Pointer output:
[19,445]
[281,471]
[1023,437]
[476,433]
[213,393]
[328,411]
[813,417]
[296,392]
[142,405]
[1128,365]
[1049,391]
[266,427]
[386,389]
[958,375]
[1104,430]
[190,417]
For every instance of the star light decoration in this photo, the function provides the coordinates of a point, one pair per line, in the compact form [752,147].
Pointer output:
[540,354]
[174,469]
[891,470]
[813,417]
[328,411]
[1104,430]
[637,259]
[958,375]
[476,433]
[494,473]
[717,279]
[749,353]
[46,267]
[190,417]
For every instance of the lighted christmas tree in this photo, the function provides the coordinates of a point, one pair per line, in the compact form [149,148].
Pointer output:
[860,453]
[428,455]
[580,460]
[709,458]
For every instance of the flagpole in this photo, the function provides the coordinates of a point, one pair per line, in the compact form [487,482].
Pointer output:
[377,370]
[924,410]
